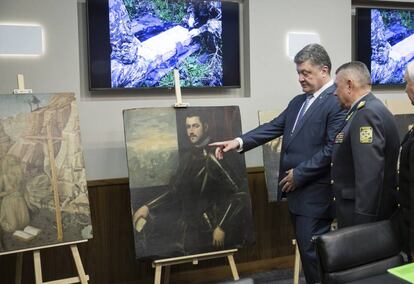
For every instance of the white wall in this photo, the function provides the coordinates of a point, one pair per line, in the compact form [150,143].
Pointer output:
[272,74]
[58,69]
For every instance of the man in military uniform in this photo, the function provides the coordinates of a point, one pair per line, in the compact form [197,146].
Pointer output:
[365,152]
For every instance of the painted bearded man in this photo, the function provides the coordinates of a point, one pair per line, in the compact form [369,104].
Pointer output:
[204,192]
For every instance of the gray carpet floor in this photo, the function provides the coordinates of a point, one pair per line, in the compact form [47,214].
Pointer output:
[278,276]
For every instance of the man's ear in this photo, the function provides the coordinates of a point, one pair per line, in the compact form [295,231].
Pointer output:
[325,70]
[205,127]
[350,84]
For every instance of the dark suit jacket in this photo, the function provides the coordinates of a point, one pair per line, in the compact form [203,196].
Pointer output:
[364,171]
[406,189]
[307,150]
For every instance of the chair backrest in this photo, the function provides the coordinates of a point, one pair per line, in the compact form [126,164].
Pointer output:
[357,252]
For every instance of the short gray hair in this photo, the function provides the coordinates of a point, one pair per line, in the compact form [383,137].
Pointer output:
[409,70]
[358,71]
[316,54]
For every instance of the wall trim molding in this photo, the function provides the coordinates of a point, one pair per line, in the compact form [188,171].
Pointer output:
[124,180]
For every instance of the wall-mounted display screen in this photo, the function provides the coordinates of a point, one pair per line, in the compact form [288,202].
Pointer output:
[138,43]
[385,42]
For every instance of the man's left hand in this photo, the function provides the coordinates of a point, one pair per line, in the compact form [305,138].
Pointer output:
[218,237]
[288,182]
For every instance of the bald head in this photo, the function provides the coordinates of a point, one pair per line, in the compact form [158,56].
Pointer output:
[409,78]
[409,72]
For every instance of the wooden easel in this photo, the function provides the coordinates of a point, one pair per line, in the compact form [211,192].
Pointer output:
[167,262]
[177,84]
[296,268]
[20,86]
[82,277]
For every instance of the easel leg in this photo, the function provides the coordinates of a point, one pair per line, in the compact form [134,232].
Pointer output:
[78,263]
[167,274]
[157,279]
[37,267]
[296,269]
[19,266]
[233,267]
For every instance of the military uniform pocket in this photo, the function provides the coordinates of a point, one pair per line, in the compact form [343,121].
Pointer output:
[348,193]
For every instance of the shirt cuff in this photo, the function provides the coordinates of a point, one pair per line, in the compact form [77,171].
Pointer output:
[240,149]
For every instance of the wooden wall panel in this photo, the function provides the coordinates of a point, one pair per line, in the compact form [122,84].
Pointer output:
[109,257]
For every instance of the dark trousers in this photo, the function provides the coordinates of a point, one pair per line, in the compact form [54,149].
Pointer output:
[401,224]
[305,228]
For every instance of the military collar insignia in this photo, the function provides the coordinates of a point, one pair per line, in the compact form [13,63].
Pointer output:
[410,131]
[361,104]
[349,116]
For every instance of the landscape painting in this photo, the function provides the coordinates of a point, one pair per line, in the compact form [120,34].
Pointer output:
[184,201]
[271,159]
[43,191]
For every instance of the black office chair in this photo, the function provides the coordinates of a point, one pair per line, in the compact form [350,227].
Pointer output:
[357,252]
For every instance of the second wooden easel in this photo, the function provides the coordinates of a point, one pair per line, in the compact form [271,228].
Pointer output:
[168,262]
[80,278]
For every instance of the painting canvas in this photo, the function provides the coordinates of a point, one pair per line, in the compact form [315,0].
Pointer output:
[43,191]
[184,201]
[271,159]
[403,113]
[404,123]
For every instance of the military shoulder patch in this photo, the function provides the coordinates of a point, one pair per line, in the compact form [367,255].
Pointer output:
[365,134]
[361,105]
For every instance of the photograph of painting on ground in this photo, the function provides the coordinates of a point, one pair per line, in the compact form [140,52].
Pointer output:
[392,44]
[149,38]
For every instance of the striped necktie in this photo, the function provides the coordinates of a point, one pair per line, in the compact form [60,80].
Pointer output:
[302,111]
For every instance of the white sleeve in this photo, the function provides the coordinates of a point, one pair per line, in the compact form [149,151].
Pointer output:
[240,144]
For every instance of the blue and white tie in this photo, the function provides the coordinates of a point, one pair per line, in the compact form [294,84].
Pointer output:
[303,110]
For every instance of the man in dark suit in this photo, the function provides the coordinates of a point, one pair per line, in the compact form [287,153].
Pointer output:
[364,158]
[308,126]
[406,176]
